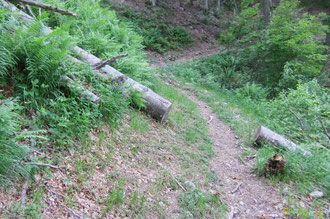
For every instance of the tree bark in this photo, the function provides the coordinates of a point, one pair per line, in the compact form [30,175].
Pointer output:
[218,6]
[267,11]
[206,5]
[236,11]
[47,7]
[327,40]
[266,134]
[157,106]
[153,2]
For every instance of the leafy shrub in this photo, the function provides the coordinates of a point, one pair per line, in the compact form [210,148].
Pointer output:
[206,20]
[253,91]
[309,102]
[291,52]
[245,23]
[283,53]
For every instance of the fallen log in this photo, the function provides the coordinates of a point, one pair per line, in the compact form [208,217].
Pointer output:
[83,92]
[266,134]
[46,7]
[157,106]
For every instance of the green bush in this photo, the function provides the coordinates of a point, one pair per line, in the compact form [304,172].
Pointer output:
[253,91]
[283,53]
[309,102]
[244,24]
[291,52]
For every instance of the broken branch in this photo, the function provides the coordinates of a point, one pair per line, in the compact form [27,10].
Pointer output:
[109,61]
[324,128]
[47,7]
[43,165]
[299,119]
[236,188]
[179,184]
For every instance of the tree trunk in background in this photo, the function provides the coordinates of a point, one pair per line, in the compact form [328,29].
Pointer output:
[218,6]
[153,2]
[206,5]
[236,7]
[327,41]
[267,10]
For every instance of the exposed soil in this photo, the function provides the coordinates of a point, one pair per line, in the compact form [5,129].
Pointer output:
[246,194]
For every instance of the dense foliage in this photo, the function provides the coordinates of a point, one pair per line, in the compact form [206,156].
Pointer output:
[12,152]
[283,53]
[157,35]
[274,76]
[33,62]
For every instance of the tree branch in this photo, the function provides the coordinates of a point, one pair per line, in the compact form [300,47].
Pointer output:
[43,165]
[299,119]
[47,7]
[324,128]
[30,11]
[107,62]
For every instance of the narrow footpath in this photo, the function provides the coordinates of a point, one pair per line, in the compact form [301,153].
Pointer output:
[247,195]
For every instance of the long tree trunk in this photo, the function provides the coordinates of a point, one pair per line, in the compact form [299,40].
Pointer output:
[153,2]
[156,106]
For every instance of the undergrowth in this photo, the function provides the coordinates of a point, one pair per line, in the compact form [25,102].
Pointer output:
[157,35]
[33,63]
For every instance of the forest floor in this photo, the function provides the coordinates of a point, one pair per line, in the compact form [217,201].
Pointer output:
[189,167]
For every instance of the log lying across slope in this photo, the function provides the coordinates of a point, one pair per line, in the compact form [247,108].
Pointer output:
[46,7]
[266,134]
[157,106]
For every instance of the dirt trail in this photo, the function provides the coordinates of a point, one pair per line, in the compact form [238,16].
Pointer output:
[246,194]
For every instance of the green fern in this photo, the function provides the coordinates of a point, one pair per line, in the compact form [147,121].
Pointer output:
[12,153]
[7,61]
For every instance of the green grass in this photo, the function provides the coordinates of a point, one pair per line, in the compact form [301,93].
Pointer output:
[196,203]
